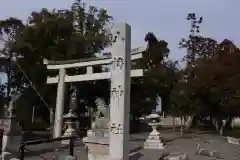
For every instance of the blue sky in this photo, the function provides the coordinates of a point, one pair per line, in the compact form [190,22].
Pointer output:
[163,17]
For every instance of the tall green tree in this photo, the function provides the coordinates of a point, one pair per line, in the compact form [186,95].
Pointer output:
[210,75]
[198,48]
[67,34]
[9,29]
[75,33]
[159,76]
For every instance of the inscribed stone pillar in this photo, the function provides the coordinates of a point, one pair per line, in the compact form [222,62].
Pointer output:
[59,104]
[120,93]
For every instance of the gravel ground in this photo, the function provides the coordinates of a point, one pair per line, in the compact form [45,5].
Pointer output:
[175,143]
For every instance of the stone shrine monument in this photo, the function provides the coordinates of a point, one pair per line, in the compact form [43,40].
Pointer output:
[97,138]
[99,125]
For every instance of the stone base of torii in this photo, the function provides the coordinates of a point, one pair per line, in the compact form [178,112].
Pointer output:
[98,148]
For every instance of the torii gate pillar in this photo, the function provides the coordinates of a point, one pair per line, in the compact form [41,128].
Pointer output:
[57,128]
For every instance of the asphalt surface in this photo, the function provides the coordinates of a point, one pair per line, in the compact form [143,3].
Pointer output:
[186,144]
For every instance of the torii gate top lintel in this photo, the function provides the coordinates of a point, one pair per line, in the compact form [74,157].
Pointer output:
[89,63]
[135,53]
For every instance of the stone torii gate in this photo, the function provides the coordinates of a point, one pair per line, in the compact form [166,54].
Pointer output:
[120,75]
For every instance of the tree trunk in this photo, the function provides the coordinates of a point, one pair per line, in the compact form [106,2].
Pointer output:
[51,116]
[51,120]
[174,127]
[220,126]
[229,122]
[181,129]
[194,123]
[221,131]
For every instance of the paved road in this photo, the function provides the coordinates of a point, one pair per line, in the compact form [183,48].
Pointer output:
[186,144]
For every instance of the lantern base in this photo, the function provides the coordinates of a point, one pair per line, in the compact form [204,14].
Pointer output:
[153,141]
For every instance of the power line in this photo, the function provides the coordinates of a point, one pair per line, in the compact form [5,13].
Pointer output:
[34,88]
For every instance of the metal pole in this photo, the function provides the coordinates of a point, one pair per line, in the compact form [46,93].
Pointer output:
[33,114]
[90,117]
[8,79]
[22,154]
[71,145]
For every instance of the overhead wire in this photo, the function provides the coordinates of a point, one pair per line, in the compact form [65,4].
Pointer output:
[34,88]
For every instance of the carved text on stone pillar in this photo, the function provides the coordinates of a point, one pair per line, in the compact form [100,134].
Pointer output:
[114,37]
[118,62]
[116,128]
[116,93]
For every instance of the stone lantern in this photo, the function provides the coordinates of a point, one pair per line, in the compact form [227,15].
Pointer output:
[153,141]
[70,120]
